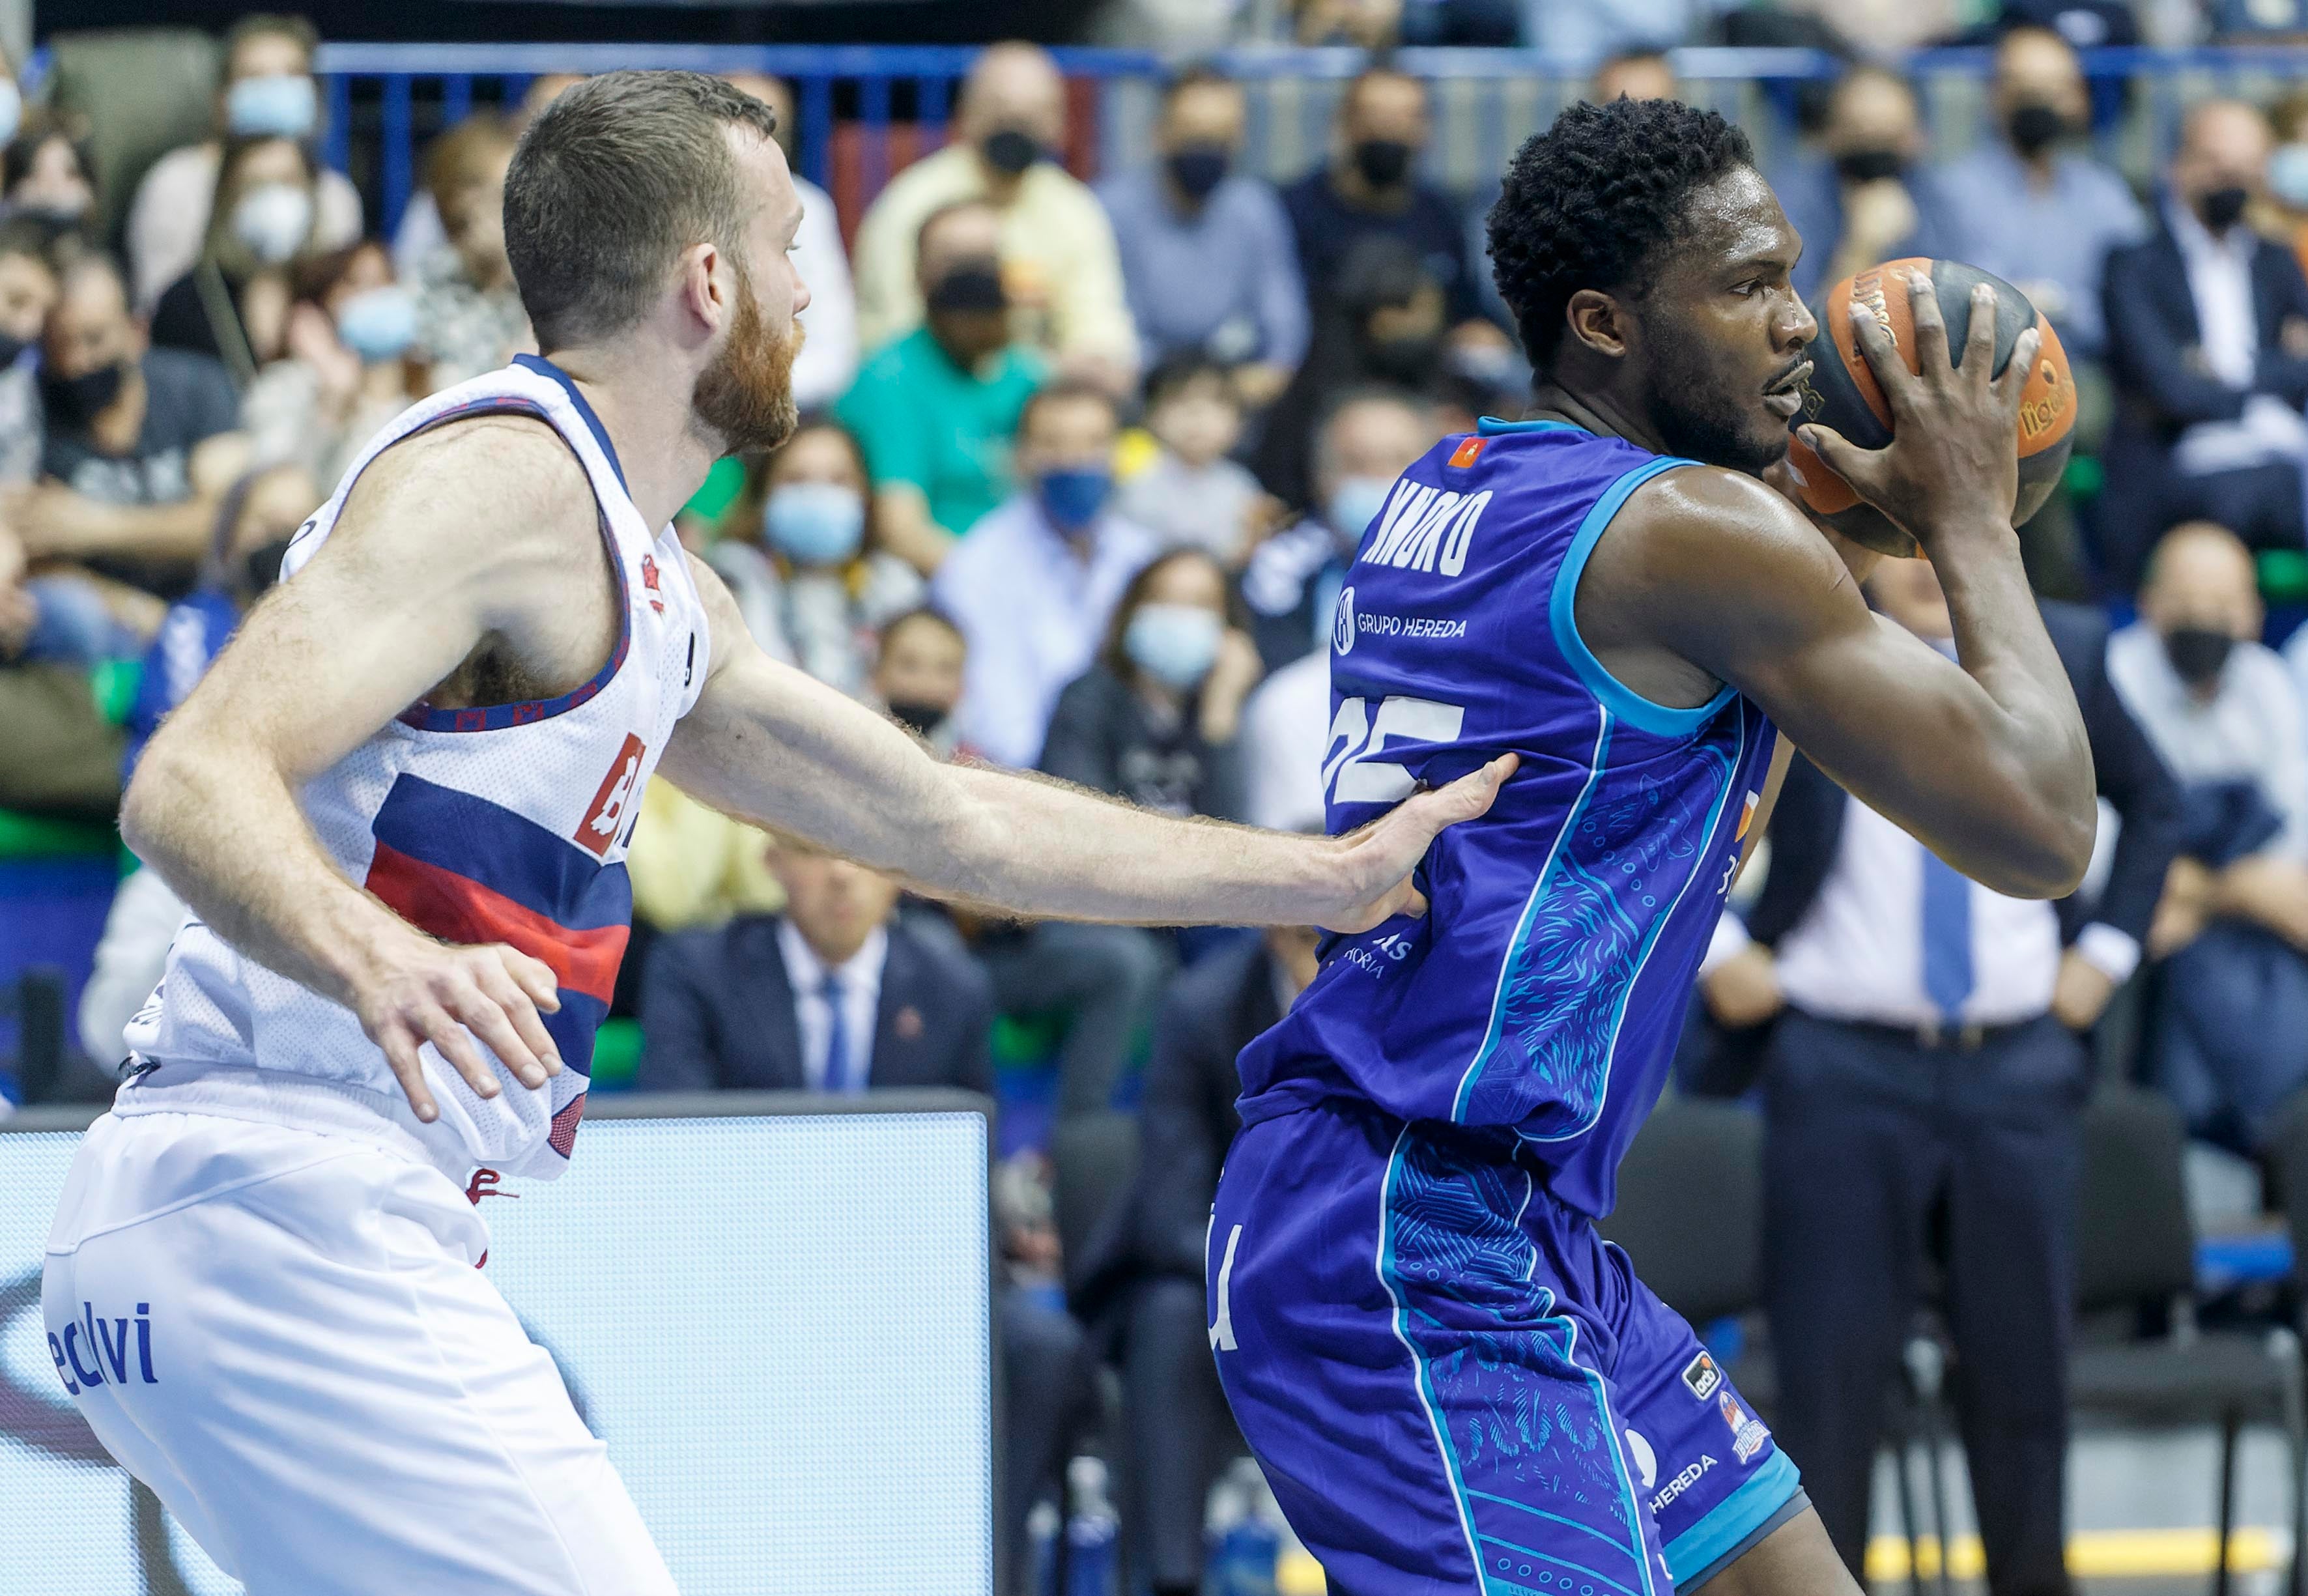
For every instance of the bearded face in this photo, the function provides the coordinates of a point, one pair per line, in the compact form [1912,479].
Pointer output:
[744,400]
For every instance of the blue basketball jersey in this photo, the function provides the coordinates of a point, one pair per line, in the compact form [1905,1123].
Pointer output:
[1544,991]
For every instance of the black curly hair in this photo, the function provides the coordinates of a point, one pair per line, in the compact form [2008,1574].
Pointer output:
[1587,204]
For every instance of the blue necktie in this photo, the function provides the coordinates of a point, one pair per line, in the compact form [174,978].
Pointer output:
[837,1035]
[1947,937]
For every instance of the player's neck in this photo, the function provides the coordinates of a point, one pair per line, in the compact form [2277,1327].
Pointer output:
[1601,414]
[646,411]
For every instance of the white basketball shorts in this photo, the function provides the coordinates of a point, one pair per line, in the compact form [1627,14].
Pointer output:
[283,1334]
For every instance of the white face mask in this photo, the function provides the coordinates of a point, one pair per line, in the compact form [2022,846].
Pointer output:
[12,110]
[272,220]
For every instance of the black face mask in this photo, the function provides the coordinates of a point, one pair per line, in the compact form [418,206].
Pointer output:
[1870,165]
[2223,208]
[2035,127]
[262,567]
[974,285]
[920,718]
[1010,150]
[1382,162]
[2198,653]
[78,401]
[1198,168]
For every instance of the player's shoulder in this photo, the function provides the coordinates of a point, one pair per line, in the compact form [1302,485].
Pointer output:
[496,492]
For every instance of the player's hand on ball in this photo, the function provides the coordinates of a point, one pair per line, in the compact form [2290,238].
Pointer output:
[449,995]
[1380,856]
[1952,461]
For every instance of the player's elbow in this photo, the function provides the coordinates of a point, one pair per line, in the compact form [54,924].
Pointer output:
[2047,858]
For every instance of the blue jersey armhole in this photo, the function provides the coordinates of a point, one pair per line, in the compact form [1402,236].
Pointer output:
[1623,701]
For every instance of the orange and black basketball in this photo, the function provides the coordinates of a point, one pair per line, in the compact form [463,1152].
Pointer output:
[1842,392]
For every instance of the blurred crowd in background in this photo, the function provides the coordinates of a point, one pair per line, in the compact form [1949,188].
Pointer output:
[1081,470]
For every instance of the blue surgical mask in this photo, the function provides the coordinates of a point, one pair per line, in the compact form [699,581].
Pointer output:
[1175,644]
[272,220]
[379,324]
[2287,175]
[283,106]
[1353,504]
[1072,498]
[815,523]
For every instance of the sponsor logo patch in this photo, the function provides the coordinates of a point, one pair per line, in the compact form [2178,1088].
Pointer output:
[1748,1432]
[1681,1482]
[1701,1375]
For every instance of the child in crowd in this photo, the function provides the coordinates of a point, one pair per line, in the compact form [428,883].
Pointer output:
[1193,495]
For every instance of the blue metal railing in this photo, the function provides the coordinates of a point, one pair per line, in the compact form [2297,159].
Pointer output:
[864,99]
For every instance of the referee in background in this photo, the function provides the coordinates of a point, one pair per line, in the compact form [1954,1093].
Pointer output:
[1923,1044]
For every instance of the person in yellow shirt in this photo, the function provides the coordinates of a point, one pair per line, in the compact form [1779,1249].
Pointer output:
[1060,269]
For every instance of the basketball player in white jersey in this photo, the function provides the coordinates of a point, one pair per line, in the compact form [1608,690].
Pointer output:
[398,806]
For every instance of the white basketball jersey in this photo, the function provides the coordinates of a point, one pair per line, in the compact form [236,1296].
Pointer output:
[503,824]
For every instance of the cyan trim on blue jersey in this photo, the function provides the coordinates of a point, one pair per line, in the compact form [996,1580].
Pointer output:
[1386,1274]
[1700,867]
[1530,908]
[1733,1519]
[1491,427]
[1623,701]
[1568,1351]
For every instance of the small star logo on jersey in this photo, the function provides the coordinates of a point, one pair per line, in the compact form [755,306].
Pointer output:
[649,581]
[1342,623]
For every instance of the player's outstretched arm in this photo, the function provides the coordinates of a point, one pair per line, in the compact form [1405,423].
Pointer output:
[1985,761]
[767,742]
[450,537]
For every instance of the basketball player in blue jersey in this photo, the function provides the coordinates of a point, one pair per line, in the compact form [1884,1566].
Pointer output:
[1453,1384]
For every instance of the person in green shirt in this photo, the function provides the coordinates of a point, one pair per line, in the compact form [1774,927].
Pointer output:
[937,408]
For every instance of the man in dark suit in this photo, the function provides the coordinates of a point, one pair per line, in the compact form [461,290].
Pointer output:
[1141,1282]
[2208,340]
[1921,1046]
[834,994]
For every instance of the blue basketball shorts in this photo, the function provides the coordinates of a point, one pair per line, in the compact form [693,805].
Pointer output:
[1454,1384]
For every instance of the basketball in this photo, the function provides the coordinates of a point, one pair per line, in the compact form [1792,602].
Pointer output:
[1842,392]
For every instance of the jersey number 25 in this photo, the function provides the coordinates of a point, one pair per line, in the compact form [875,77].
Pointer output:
[1352,774]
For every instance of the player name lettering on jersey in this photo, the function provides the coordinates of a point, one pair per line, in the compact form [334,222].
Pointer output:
[1426,529]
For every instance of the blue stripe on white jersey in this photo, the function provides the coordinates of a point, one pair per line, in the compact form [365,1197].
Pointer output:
[1546,989]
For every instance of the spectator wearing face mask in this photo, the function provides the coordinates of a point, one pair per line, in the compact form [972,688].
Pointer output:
[1033,584]
[2207,326]
[812,582]
[1061,274]
[1384,327]
[1158,719]
[1192,494]
[2230,1039]
[1370,187]
[2284,214]
[936,410]
[2033,205]
[1291,585]
[1207,252]
[138,445]
[233,304]
[46,175]
[268,91]
[917,677]
[253,525]
[469,313]
[345,368]
[1862,199]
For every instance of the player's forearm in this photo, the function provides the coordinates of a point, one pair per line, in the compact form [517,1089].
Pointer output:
[2031,730]
[223,829]
[1031,846]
